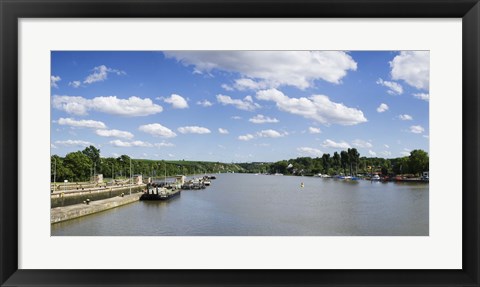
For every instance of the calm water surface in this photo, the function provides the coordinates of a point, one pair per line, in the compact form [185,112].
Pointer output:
[245,205]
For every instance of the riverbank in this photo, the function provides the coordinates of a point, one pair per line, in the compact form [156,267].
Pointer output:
[60,214]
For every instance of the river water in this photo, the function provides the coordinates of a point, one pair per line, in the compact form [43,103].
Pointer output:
[259,205]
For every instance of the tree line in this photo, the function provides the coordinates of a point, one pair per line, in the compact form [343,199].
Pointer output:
[82,165]
[347,162]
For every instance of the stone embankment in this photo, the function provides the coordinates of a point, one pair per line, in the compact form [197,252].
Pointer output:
[64,213]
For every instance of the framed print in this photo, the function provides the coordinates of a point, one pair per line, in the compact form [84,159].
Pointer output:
[229,143]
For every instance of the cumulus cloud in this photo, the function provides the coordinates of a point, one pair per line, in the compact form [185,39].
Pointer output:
[362,144]
[177,101]
[331,144]
[75,84]
[54,80]
[393,88]
[79,143]
[227,87]
[405,153]
[246,137]
[114,133]
[262,69]
[405,117]
[249,84]
[261,119]
[246,104]
[205,103]
[417,129]
[313,130]
[119,143]
[81,123]
[271,134]
[413,67]
[193,130]
[372,153]
[100,74]
[223,131]
[382,108]
[422,96]
[157,130]
[310,151]
[316,107]
[130,107]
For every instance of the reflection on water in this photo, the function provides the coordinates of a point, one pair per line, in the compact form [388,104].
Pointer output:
[246,205]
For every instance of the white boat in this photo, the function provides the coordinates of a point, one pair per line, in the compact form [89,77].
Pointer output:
[376,177]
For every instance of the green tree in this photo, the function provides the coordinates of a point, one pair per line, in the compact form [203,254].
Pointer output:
[344,160]
[418,161]
[94,155]
[79,164]
[336,162]
[326,163]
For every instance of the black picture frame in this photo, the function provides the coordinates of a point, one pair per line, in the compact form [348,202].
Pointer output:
[11,11]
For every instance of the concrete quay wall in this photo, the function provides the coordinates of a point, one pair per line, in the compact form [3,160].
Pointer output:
[59,199]
[60,214]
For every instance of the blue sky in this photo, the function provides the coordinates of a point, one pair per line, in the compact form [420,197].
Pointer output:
[239,106]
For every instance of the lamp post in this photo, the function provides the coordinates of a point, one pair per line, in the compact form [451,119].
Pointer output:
[131,176]
[54,173]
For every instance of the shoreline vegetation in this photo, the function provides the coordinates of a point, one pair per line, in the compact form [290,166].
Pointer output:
[83,166]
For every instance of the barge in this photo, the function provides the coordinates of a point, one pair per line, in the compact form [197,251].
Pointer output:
[160,193]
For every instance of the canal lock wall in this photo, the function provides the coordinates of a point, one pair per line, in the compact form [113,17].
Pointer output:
[66,199]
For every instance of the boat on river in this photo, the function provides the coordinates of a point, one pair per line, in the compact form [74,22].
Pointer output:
[155,192]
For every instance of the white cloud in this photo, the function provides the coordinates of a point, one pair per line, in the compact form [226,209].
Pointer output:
[75,84]
[114,133]
[393,88]
[249,84]
[413,67]
[386,145]
[273,68]
[417,129]
[331,144]
[130,107]
[246,137]
[310,151]
[236,118]
[382,108]
[227,87]
[79,143]
[246,104]
[205,103]
[223,131]
[193,130]
[271,134]
[100,74]
[422,96]
[261,119]
[81,123]
[372,153]
[405,117]
[313,130]
[164,144]
[362,144]
[54,80]
[177,101]
[157,130]
[316,107]
[119,143]
[426,136]
[53,146]
[405,153]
